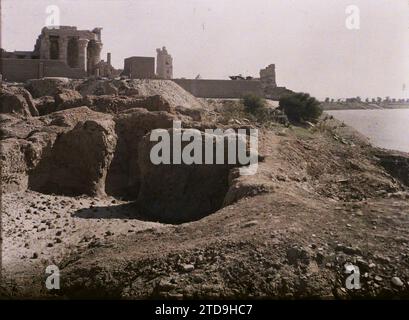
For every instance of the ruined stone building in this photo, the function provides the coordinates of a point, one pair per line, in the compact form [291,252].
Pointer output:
[144,67]
[164,64]
[139,67]
[58,52]
[105,68]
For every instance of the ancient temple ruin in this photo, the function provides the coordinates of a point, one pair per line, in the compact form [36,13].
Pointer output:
[60,52]
[77,48]
[72,53]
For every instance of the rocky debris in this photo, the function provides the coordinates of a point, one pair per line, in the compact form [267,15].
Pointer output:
[296,255]
[118,104]
[13,165]
[31,148]
[397,282]
[97,87]
[250,224]
[47,86]
[111,96]
[17,100]
[187,267]
[45,105]
[79,160]
[67,98]
[157,103]
[195,114]
[348,250]
[165,285]
[26,143]
[21,146]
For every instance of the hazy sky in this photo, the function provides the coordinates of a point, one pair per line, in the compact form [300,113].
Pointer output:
[308,40]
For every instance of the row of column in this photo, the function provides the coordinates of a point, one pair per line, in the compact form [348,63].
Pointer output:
[63,51]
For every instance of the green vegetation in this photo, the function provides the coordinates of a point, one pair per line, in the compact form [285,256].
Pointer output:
[253,109]
[253,103]
[301,107]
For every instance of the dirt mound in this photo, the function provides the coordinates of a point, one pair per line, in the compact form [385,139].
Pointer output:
[168,90]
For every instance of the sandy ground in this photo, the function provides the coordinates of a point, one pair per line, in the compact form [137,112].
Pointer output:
[39,229]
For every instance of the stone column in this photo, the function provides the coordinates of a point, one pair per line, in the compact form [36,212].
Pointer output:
[82,53]
[45,48]
[98,49]
[95,56]
[63,45]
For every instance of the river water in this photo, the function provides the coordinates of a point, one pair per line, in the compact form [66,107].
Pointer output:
[387,129]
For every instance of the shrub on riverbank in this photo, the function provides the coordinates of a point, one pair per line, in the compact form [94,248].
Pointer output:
[301,107]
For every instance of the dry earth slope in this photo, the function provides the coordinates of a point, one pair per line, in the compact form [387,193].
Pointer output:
[79,192]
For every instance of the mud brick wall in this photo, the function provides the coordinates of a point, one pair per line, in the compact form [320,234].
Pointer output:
[220,88]
[21,70]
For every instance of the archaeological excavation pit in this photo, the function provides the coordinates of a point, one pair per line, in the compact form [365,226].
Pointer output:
[115,161]
[177,193]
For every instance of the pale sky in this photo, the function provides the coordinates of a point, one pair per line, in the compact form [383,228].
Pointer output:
[308,40]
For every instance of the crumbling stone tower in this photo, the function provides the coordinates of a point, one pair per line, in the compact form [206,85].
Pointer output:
[268,77]
[164,64]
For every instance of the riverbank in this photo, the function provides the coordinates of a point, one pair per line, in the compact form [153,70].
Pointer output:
[386,128]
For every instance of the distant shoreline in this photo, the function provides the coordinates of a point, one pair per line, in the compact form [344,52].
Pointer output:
[362,106]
